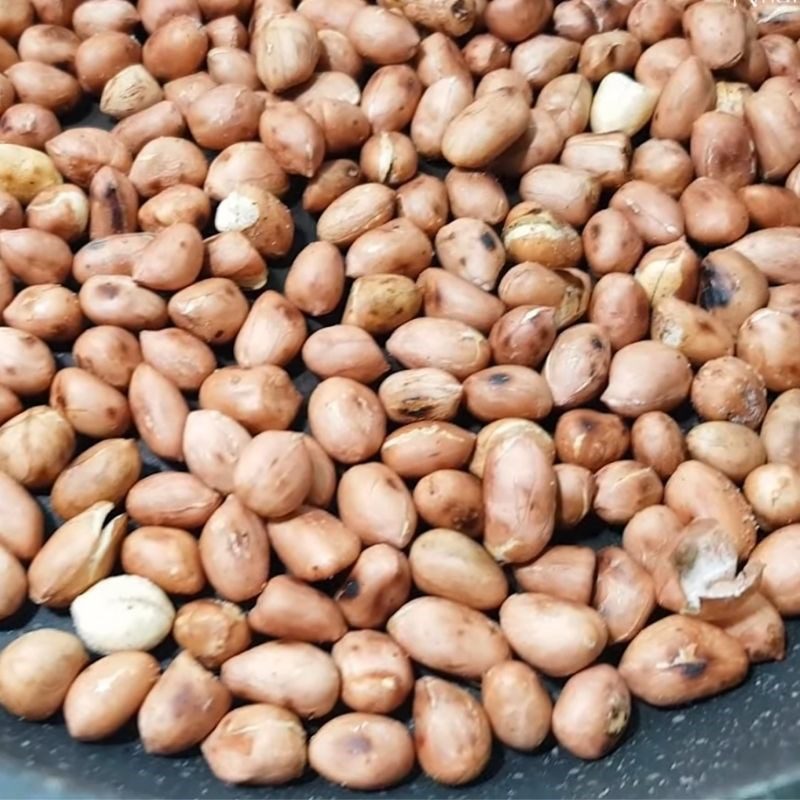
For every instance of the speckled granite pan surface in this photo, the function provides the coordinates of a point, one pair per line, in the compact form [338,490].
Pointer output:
[744,744]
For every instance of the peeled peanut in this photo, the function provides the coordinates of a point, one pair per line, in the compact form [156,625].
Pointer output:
[592,712]
[558,637]
[679,659]
[452,732]
[438,644]
[294,675]
[36,671]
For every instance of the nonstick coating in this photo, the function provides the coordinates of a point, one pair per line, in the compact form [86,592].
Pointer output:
[745,743]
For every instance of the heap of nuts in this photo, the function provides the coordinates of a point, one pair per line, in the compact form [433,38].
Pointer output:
[490,373]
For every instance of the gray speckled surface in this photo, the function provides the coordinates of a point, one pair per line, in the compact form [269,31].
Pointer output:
[743,744]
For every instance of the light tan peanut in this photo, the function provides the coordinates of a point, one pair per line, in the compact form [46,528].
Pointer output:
[167,556]
[234,551]
[259,398]
[731,288]
[663,163]
[577,196]
[183,707]
[118,300]
[36,671]
[657,218]
[520,514]
[179,356]
[79,554]
[688,93]
[679,659]
[355,212]
[385,753]
[391,97]
[35,256]
[693,331]
[293,138]
[657,441]
[730,389]
[35,446]
[437,644]
[212,444]
[48,311]
[647,376]
[732,448]
[272,333]
[290,609]
[99,57]
[106,471]
[769,250]
[113,204]
[507,391]
[670,270]
[332,180]
[623,489]
[376,673]
[167,161]
[60,210]
[294,675]
[375,504]
[112,255]
[558,637]
[337,400]
[544,57]
[213,309]
[452,732]
[382,37]
[21,533]
[451,345]
[396,247]
[590,438]
[473,138]
[772,491]
[159,412]
[80,152]
[523,335]
[762,344]
[275,752]
[260,216]
[285,51]
[449,564]
[377,585]
[313,544]
[142,127]
[564,571]
[90,405]
[722,148]
[273,474]
[212,631]
[232,255]
[109,352]
[451,499]
[624,594]
[697,490]
[108,694]
[649,533]
[518,706]
[44,85]
[568,99]
[181,204]
[584,345]
[592,712]
[244,162]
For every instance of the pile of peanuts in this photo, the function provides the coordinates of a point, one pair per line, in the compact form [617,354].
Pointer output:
[488,374]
